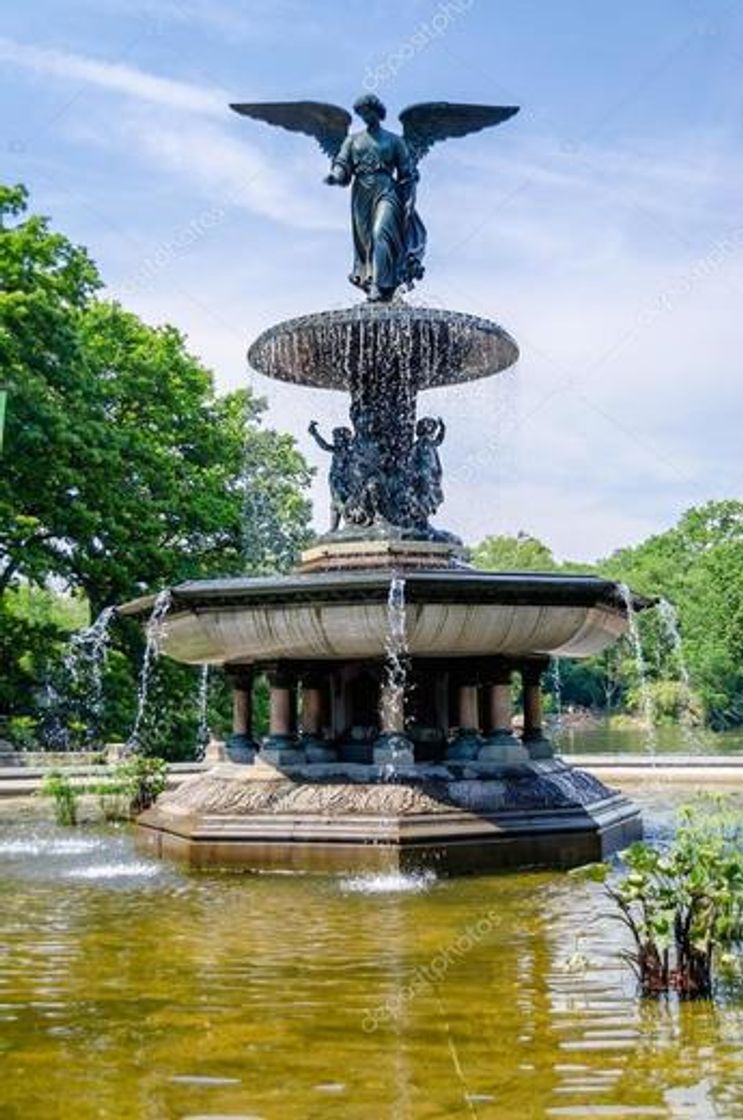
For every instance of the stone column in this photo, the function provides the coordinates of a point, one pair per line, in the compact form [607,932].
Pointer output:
[534,739]
[240,745]
[501,745]
[468,741]
[392,747]
[281,745]
[314,690]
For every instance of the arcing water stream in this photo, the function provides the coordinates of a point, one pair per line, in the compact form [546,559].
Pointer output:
[83,665]
[202,727]
[647,704]
[155,634]
[395,671]
[669,620]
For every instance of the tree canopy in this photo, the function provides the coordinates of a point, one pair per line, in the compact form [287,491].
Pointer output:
[123,469]
[521,553]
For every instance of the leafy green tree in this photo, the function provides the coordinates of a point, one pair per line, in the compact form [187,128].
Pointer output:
[698,566]
[521,553]
[123,469]
[45,284]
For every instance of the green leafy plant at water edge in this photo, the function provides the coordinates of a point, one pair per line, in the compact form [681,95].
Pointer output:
[134,785]
[65,797]
[683,905]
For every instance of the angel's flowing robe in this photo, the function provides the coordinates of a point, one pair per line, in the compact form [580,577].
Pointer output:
[389,238]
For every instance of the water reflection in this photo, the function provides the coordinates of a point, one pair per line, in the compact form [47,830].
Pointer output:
[164,994]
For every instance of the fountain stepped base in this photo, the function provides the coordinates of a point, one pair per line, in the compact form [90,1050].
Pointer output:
[454,818]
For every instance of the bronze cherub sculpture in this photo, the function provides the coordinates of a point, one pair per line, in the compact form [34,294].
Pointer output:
[388,235]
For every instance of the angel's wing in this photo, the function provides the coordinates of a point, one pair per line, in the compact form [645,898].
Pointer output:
[430,121]
[328,124]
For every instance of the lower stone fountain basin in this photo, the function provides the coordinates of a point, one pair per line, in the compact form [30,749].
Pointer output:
[344,615]
[452,818]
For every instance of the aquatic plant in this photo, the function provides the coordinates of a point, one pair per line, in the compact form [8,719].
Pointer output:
[64,795]
[682,904]
[139,779]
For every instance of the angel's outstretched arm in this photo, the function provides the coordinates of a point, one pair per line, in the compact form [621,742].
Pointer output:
[341,168]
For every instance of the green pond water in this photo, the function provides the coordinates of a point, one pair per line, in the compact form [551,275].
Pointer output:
[130,988]
[670,739]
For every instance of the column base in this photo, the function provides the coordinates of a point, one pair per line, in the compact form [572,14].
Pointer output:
[538,746]
[215,751]
[317,749]
[392,748]
[282,750]
[465,746]
[241,748]
[502,746]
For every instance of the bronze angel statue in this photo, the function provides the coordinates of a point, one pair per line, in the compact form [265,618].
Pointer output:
[389,238]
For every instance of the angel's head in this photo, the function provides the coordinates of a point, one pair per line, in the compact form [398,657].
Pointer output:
[370,108]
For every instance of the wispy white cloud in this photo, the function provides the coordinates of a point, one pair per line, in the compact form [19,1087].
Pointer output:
[115,77]
[228,171]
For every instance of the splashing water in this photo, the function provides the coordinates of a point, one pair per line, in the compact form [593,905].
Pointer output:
[81,695]
[393,882]
[647,704]
[54,731]
[396,645]
[88,651]
[155,635]
[395,671]
[556,684]
[669,620]
[202,727]
[131,869]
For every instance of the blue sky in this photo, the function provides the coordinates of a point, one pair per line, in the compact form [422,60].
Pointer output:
[603,226]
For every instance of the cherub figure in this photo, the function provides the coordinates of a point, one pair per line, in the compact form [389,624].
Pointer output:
[424,466]
[365,473]
[340,469]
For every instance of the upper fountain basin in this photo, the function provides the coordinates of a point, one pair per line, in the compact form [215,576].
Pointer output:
[333,615]
[339,349]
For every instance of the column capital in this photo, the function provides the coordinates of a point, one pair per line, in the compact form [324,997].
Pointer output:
[533,670]
[281,676]
[240,675]
[499,674]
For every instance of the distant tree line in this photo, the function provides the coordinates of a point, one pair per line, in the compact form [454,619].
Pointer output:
[697,566]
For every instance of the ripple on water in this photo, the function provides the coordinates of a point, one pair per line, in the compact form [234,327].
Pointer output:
[391,883]
[199,1079]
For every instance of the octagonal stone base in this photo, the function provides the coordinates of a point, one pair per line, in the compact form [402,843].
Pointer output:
[457,818]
